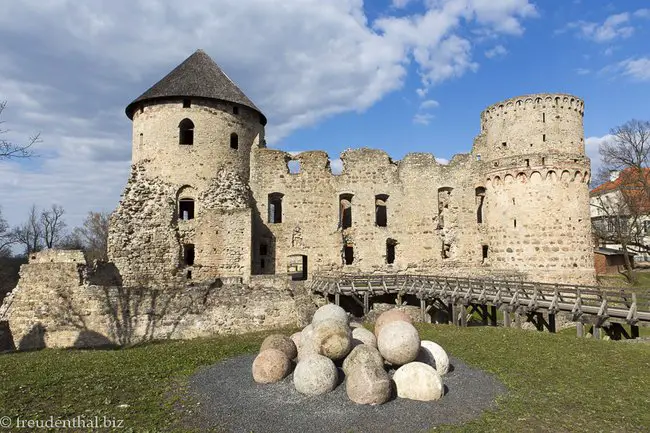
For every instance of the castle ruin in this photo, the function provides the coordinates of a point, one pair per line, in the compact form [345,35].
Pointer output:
[208,205]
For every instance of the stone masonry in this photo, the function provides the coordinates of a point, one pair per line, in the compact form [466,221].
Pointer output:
[217,224]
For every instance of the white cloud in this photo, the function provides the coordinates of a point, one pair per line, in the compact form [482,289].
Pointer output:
[583,71]
[400,4]
[443,161]
[423,118]
[642,13]
[592,144]
[429,103]
[336,166]
[638,69]
[614,27]
[301,61]
[497,51]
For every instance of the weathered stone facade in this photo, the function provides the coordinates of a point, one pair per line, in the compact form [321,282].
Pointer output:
[213,225]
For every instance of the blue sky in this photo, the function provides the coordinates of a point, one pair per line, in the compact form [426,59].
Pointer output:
[400,75]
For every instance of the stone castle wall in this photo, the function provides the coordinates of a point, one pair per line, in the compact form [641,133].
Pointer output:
[58,304]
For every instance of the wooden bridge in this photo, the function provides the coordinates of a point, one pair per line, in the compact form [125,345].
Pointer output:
[457,299]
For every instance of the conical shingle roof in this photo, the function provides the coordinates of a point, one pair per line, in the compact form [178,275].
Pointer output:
[197,76]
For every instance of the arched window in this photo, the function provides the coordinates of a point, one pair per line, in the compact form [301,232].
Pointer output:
[381,212]
[186,209]
[345,211]
[186,132]
[480,198]
[275,207]
[234,141]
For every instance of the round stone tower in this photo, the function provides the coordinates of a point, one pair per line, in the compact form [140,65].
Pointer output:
[536,177]
[186,210]
[195,122]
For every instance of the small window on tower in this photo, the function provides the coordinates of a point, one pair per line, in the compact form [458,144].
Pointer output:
[188,254]
[186,132]
[187,103]
[275,207]
[485,249]
[504,144]
[186,209]
[234,141]
[348,253]
[235,110]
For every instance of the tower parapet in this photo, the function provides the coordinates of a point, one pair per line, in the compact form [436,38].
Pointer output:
[537,123]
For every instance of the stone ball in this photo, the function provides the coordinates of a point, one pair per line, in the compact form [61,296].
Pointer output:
[330,312]
[296,337]
[362,356]
[434,355]
[398,342]
[418,381]
[270,366]
[315,375]
[333,338]
[390,316]
[355,324]
[363,336]
[368,385]
[282,343]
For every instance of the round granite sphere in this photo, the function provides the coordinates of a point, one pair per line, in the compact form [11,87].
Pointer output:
[296,337]
[363,336]
[315,375]
[418,381]
[398,342]
[390,316]
[433,354]
[362,356]
[282,343]
[330,312]
[368,385]
[270,366]
[333,338]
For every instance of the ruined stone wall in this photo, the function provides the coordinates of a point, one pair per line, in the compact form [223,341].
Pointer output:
[433,210]
[56,305]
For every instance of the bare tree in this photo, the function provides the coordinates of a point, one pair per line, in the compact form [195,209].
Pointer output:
[6,237]
[30,233]
[624,206]
[10,150]
[93,235]
[52,225]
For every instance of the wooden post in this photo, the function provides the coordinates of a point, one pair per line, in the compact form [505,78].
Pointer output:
[634,331]
[366,303]
[399,299]
[580,329]
[596,332]
[517,319]
[337,299]
[463,315]
[551,323]
[506,318]
[423,309]
[450,313]
[454,314]
[493,315]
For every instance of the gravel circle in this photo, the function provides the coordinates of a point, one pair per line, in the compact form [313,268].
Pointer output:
[231,401]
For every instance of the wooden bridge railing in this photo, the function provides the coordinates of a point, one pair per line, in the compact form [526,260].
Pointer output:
[588,304]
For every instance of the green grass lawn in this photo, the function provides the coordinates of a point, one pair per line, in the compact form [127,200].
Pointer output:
[556,382]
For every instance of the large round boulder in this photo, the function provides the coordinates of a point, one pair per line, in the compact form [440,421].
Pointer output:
[368,385]
[433,354]
[271,365]
[332,338]
[363,336]
[282,343]
[362,356]
[418,381]
[398,342]
[315,375]
[330,312]
[391,316]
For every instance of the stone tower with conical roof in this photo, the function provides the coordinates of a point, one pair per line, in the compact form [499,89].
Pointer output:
[185,213]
